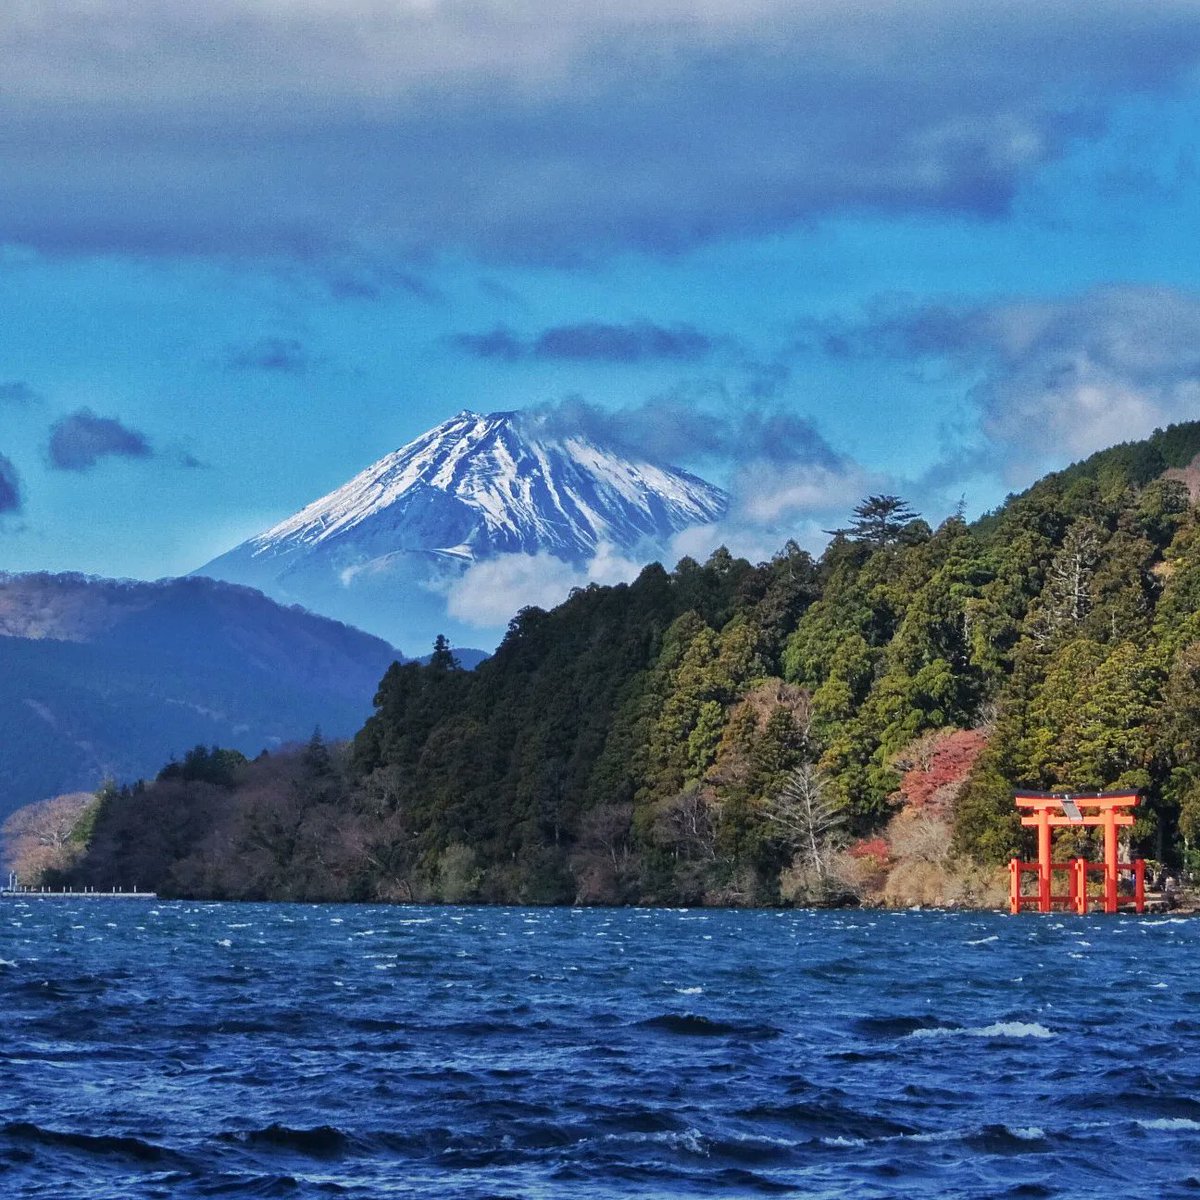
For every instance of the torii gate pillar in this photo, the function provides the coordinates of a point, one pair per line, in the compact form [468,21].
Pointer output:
[1110,861]
[1045,865]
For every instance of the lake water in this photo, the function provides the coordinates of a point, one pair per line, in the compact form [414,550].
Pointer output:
[183,1050]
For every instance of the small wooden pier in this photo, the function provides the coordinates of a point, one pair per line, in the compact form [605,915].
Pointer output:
[1045,811]
[15,891]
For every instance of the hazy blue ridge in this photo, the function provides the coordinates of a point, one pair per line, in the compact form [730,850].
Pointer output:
[158,668]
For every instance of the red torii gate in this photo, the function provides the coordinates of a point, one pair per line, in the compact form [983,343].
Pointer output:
[1049,810]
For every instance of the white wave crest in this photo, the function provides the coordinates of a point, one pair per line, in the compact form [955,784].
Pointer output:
[1027,1133]
[691,1140]
[1001,1029]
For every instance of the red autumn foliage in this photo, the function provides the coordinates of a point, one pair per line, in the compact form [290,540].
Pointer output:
[875,848]
[936,766]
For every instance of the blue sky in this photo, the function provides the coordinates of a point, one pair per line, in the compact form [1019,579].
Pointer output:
[806,250]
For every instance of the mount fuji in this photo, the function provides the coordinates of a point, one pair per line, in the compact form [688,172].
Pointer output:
[383,551]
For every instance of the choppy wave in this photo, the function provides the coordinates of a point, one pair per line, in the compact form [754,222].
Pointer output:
[204,1050]
[999,1029]
[1171,1124]
[100,1145]
[322,1141]
[693,1025]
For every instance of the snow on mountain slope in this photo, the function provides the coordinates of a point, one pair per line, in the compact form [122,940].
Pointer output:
[379,550]
[476,485]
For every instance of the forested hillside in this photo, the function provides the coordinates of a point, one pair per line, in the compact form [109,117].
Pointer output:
[731,733]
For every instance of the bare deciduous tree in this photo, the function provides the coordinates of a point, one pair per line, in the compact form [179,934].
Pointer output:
[38,837]
[806,818]
[684,824]
[605,830]
[1067,596]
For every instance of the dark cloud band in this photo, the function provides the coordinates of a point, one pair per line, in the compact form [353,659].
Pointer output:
[79,440]
[539,131]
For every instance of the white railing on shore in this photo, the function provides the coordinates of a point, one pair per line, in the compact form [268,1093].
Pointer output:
[15,890]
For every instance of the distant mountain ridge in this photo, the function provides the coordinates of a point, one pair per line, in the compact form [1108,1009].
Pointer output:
[381,550]
[104,677]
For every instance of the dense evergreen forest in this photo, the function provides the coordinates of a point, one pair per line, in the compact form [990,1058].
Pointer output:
[798,730]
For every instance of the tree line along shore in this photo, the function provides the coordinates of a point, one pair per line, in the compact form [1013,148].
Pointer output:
[841,729]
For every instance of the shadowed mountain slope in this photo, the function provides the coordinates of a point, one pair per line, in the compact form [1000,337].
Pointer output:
[104,677]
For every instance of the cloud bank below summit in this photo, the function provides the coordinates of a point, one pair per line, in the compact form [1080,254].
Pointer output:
[783,479]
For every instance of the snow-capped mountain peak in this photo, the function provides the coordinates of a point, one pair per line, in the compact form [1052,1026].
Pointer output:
[523,493]
[475,487]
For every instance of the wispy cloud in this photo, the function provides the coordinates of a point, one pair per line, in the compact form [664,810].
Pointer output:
[81,439]
[499,343]
[535,130]
[283,355]
[690,427]
[783,477]
[19,394]
[594,341]
[1048,377]
[10,487]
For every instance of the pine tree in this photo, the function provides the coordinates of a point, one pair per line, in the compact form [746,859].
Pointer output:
[316,760]
[443,658]
[879,521]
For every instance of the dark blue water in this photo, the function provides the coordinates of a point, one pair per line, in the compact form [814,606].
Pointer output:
[184,1050]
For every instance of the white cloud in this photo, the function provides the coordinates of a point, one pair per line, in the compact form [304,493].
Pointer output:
[772,502]
[768,494]
[1056,378]
[488,593]
[1081,373]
